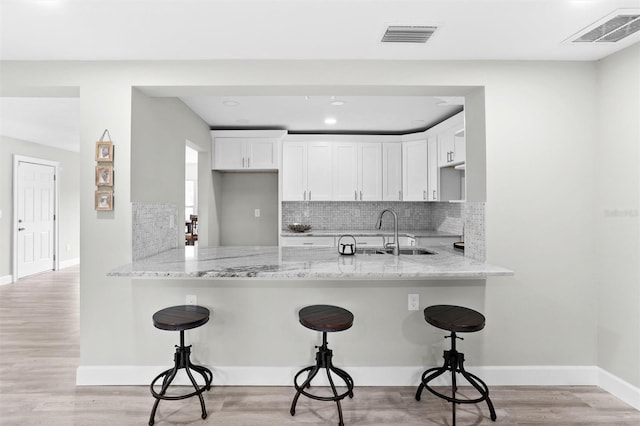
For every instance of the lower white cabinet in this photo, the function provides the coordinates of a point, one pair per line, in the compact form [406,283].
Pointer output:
[307,241]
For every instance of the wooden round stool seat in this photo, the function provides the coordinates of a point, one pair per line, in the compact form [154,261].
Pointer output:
[325,318]
[182,317]
[454,318]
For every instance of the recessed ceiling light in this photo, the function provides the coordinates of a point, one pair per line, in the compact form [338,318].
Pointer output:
[337,103]
[230,103]
[330,120]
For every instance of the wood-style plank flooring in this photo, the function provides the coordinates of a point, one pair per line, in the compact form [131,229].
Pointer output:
[39,353]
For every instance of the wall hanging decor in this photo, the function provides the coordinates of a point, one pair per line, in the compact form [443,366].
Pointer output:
[104,173]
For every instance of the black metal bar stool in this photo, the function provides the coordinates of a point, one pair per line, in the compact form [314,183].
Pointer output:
[181,318]
[455,319]
[324,318]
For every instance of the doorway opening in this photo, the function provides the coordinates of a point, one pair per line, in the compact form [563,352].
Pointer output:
[35,216]
[191,195]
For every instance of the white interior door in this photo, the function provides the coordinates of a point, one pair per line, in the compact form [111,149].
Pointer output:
[35,214]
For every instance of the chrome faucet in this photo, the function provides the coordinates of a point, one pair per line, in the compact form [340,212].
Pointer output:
[396,244]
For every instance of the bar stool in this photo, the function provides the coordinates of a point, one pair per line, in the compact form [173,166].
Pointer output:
[455,319]
[181,318]
[327,319]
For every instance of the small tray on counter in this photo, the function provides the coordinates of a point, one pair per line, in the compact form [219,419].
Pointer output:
[459,245]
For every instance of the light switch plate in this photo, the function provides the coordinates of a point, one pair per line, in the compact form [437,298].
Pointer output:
[257,212]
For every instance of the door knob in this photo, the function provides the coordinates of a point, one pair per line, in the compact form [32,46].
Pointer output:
[20,229]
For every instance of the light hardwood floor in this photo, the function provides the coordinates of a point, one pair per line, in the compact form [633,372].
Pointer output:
[39,353]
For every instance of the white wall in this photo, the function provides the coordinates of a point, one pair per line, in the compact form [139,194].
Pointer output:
[68,204]
[618,201]
[541,139]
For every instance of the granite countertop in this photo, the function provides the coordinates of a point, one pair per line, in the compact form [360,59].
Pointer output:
[305,262]
[415,233]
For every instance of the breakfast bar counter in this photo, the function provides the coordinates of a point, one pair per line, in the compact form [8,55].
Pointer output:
[306,263]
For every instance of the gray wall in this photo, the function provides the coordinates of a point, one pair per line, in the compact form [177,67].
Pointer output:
[542,126]
[68,204]
[242,193]
[617,209]
[160,130]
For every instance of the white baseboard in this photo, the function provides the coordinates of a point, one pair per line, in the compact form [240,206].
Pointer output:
[7,279]
[619,388]
[101,375]
[70,262]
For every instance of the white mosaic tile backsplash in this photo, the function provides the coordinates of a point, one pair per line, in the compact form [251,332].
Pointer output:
[474,231]
[155,229]
[356,216]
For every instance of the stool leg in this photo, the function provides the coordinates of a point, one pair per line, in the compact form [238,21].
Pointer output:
[169,375]
[335,394]
[481,387]
[195,386]
[312,373]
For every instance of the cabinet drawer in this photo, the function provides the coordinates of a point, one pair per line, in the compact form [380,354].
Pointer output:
[307,241]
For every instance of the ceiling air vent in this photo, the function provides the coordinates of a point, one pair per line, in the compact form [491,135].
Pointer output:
[614,28]
[406,34]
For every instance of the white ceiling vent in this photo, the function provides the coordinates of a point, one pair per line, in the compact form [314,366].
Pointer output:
[610,29]
[407,34]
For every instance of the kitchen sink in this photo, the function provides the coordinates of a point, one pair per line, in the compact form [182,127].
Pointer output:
[403,251]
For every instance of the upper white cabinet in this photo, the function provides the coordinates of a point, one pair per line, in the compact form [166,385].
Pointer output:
[432,169]
[391,171]
[357,171]
[245,150]
[451,141]
[414,170]
[307,171]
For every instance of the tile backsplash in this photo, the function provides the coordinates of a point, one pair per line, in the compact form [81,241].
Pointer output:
[155,229]
[337,215]
[454,218]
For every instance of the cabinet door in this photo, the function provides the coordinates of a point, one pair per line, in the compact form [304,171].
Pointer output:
[459,146]
[432,171]
[261,153]
[319,172]
[392,171]
[446,147]
[294,171]
[345,171]
[228,153]
[414,170]
[370,172]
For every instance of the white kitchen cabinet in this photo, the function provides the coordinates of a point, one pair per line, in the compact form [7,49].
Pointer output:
[432,169]
[391,171]
[414,170]
[451,141]
[245,150]
[307,171]
[357,171]
[307,241]
[345,171]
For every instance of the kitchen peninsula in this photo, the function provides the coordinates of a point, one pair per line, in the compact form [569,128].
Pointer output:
[306,262]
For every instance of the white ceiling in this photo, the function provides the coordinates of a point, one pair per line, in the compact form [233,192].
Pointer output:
[282,29]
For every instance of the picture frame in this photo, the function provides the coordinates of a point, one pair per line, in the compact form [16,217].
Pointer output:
[104,200]
[104,175]
[104,151]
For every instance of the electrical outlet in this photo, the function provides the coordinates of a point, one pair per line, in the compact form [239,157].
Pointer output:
[257,212]
[414,302]
[68,247]
[192,299]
